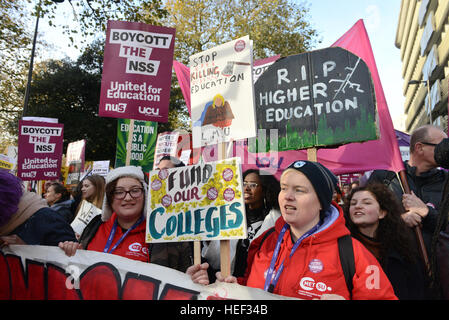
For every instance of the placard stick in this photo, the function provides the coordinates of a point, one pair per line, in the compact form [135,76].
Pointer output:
[225,258]
[418,233]
[129,143]
[39,187]
[196,252]
[197,243]
[312,154]
[225,245]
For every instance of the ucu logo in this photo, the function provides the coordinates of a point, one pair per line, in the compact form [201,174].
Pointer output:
[149,111]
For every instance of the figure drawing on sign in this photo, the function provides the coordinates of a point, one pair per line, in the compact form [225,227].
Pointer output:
[346,81]
[217,113]
[229,68]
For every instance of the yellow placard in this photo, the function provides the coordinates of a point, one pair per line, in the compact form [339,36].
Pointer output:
[6,165]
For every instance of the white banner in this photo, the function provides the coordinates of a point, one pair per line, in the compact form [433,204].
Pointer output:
[90,275]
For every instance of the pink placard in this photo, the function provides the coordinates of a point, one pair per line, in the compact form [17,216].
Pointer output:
[137,69]
[40,150]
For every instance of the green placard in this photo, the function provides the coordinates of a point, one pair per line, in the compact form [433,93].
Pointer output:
[143,143]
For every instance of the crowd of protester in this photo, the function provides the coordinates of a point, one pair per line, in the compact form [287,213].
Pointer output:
[305,225]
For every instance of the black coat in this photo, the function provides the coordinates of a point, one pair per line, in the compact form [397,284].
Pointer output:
[64,209]
[46,228]
[428,187]
[407,279]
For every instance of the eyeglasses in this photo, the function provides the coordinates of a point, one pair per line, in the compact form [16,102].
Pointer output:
[251,185]
[429,144]
[121,194]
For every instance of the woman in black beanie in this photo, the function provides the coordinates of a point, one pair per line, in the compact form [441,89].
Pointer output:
[299,257]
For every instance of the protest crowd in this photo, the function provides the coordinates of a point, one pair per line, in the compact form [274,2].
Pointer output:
[298,231]
[288,222]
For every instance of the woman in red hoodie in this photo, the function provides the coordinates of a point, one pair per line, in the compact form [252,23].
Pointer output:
[120,229]
[300,257]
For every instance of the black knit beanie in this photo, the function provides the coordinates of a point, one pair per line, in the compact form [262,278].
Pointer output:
[323,180]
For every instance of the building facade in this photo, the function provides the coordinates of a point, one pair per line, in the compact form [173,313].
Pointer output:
[423,38]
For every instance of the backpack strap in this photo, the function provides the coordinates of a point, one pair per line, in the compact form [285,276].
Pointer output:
[267,233]
[346,252]
[90,230]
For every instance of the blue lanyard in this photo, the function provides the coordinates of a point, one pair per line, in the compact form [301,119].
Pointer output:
[112,234]
[270,282]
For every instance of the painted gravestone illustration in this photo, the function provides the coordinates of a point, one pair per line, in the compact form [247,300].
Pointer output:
[319,98]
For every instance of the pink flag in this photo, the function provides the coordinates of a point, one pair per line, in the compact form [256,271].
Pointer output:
[376,154]
[183,75]
[354,157]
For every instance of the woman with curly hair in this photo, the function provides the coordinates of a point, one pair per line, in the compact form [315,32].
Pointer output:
[373,216]
[261,191]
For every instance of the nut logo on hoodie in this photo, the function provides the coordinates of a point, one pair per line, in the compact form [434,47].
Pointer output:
[309,284]
[137,249]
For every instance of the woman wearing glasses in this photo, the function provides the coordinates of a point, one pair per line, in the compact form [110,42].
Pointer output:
[120,229]
[261,191]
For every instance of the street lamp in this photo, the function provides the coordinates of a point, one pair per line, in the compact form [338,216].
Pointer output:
[427,83]
[30,70]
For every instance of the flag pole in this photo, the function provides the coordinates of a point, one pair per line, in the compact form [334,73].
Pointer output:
[422,248]
[129,142]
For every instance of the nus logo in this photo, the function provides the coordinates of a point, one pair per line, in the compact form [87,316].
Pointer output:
[117,107]
[149,111]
